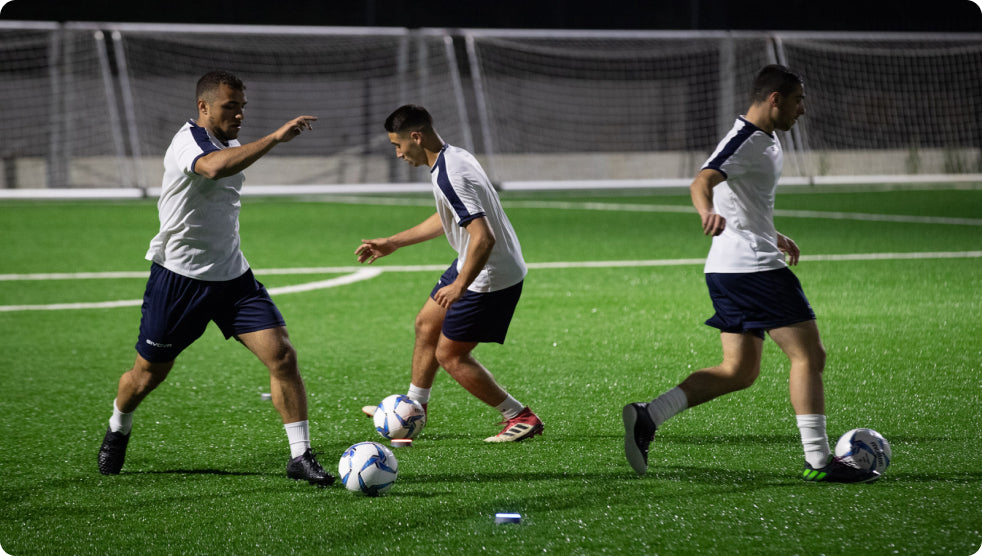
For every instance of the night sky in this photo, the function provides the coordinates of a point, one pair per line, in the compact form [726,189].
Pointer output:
[817,15]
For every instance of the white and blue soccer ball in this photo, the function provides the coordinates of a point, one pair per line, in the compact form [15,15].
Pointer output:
[399,416]
[369,468]
[864,448]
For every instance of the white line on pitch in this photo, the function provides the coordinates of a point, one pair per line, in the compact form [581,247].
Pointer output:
[861,216]
[682,209]
[362,273]
[438,267]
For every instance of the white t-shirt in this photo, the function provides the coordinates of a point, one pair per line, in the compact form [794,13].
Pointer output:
[199,217]
[751,161]
[463,192]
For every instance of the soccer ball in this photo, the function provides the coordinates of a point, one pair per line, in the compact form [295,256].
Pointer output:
[398,416]
[369,468]
[865,448]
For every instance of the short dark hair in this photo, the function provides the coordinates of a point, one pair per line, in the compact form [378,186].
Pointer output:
[213,80]
[409,117]
[774,78]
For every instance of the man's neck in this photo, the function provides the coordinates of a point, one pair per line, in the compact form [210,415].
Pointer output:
[759,115]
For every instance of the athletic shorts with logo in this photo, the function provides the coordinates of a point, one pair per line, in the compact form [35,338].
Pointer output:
[176,310]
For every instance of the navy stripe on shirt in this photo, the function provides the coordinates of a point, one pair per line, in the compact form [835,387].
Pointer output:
[200,136]
[443,181]
[716,163]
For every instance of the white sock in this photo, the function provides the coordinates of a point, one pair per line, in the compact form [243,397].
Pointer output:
[814,439]
[422,395]
[510,408]
[299,435]
[667,405]
[120,422]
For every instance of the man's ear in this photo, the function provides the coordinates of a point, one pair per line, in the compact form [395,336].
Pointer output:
[774,99]
[416,136]
[202,106]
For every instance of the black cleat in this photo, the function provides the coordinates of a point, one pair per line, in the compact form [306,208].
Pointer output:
[639,431]
[306,468]
[838,471]
[113,452]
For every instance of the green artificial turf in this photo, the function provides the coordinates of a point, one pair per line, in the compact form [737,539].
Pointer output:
[205,471]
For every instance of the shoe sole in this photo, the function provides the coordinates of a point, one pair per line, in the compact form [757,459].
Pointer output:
[523,435]
[369,410]
[819,477]
[323,484]
[634,455]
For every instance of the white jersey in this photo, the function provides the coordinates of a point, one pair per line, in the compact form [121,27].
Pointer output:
[463,192]
[199,217]
[751,161]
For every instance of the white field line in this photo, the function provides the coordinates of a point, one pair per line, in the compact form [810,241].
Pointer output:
[683,209]
[358,274]
[861,216]
[265,272]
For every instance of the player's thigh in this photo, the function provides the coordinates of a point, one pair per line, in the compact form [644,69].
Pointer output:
[429,320]
[742,353]
[448,350]
[272,346]
[800,341]
[142,365]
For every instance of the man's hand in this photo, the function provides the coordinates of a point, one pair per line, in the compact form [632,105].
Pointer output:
[789,248]
[701,191]
[294,127]
[371,249]
[448,295]
[712,224]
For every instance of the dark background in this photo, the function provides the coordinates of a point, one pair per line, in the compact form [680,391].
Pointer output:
[817,15]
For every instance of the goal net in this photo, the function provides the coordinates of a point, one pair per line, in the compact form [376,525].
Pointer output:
[615,106]
[886,105]
[646,108]
[56,118]
[87,105]
[349,80]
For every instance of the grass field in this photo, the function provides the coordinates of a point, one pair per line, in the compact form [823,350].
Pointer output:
[205,467]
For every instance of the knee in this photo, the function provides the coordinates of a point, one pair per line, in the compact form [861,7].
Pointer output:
[447,358]
[813,360]
[742,376]
[284,361]
[146,377]
[819,358]
[427,328]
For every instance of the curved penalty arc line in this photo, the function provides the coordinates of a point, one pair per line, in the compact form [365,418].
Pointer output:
[357,276]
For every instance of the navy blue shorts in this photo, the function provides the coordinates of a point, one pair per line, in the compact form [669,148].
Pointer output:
[177,309]
[757,301]
[478,317]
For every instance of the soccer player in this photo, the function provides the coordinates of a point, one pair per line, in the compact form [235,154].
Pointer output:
[476,297]
[198,273]
[752,289]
